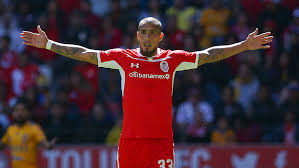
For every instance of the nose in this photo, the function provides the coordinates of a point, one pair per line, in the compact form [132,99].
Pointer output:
[146,37]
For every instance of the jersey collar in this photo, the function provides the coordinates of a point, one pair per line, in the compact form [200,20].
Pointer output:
[139,54]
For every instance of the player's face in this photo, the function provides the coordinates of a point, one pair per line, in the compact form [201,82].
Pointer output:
[149,37]
[20,114]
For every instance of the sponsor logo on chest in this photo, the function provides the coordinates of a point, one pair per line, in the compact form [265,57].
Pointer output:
[163,66]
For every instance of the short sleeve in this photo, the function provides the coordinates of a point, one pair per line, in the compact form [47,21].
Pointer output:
[186,60]
[109,58]
[4,139]
[39,135]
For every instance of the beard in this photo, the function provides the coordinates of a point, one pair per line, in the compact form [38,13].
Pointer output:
[148,53]
[20,121]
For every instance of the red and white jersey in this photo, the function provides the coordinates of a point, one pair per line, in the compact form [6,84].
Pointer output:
[147,85]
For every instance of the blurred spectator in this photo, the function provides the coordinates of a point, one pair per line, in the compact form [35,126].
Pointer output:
[54,14]
[275,13]
[153,11]
[57,125]
[68,6]
[132,10]
[253,9]
[77,32]
[110,36]
[91,19]
[223,134]
[245,85]
[175,35]
[23,75]
[285,69]
[100,7]
[290,4]
[24,15]
[198,131]
[214,21]
[291,101]
[111,94]
[81,93]
[9,27]
[114,134]
[4,81]
[241,29]
[8,57]
[118,15]
[194,104]
[95,128]
[4,120]
[247,131]
[291,31]
[127,42]
[90,73]
[288,132]
[263,107]
[38,111]
[72,110]
[189,43]
[228,107]
[184,14]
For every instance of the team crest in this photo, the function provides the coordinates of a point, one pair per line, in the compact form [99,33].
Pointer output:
[164,66]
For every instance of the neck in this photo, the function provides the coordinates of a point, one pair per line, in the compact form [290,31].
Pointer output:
[149,53]
[20,124]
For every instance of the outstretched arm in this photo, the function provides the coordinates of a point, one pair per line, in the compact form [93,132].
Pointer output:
[48,145]
[253,42]
[40,40]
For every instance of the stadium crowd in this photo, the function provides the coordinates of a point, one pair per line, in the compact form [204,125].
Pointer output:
[249,98]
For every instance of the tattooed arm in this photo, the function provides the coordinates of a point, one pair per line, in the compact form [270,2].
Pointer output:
[252,42]
[217,53]
[75,52]
[40,40]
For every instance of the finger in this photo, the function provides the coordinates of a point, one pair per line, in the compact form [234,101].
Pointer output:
[27,43]
[28,33]
[264,34]
[40,31]
[54,140]
[268,38]
[266,41]
[26,38]
[255,32]
[266,46]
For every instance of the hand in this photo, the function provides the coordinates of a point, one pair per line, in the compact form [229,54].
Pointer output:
[52,143]
[255,41]
[38,40]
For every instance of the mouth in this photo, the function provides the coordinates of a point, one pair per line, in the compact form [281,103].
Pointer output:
[147,45]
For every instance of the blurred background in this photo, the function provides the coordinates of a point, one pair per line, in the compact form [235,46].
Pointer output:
[251,98]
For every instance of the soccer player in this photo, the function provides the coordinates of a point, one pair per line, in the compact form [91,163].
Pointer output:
[23,139]
[147,75]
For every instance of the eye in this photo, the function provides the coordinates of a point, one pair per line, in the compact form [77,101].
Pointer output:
[142,31]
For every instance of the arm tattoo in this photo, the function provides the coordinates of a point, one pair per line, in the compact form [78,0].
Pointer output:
[93,57]
[217,53]
[75,52]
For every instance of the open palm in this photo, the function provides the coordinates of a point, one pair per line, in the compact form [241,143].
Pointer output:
[260,41]
[38,40]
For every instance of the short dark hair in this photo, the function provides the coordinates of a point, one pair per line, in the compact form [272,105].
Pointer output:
[151,20]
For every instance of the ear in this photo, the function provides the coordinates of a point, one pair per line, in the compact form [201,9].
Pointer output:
[161,36]
[138,35]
